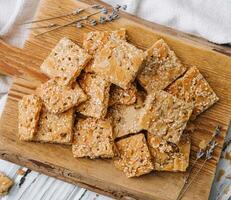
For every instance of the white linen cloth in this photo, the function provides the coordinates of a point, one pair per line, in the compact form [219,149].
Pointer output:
[210,19]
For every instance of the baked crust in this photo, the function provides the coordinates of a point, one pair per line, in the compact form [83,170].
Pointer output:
[93,138]
[5,184]
[168,156]
[29,110]
[193,88]
[97,90]
[160,68]
[166,116]
[55,128]
[94,41]
[118,62]
[65,62]
[59,98]
[119,95]
[134,157]
[127,119]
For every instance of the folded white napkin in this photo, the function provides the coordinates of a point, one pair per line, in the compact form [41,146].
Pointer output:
[210,19]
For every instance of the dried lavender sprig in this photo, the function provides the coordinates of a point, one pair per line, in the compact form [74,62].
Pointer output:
[74,12]
[208,156]
[199,155]
[104,11]
[79,25]
[69,23]
[46,26]
[102,19]
[124,7]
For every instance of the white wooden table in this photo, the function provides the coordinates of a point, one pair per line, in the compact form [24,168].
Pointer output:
[40,187]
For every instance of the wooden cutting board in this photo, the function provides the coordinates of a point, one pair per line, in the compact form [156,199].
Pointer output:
[100,175]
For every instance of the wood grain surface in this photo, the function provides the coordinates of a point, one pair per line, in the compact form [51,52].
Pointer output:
[100,175]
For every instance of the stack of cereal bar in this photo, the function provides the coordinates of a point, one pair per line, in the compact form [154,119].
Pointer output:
[109,99]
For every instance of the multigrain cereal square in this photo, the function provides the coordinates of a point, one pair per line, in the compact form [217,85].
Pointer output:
[65,62]
[93,138]
[29,110]
[134,157]
[55,128]
[129,119]
[59,98]
[97,90]
[166,116]
[118,62]
[119,95]
[5,184]
[168,156]
[126,119]
[161,67]
[94,41]
[193,87]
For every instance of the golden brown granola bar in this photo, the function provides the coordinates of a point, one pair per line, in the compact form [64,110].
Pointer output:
[168,156]
[59,98]
[134,157]
[94,41]
[118,62]
[161,67]
[97,90]
[55,128]
[193,87]
[28,116]
[5,184]
[93,138]
[65,62]
[166,116]
[119,95]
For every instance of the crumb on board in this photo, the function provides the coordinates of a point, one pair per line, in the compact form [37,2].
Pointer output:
[5,184]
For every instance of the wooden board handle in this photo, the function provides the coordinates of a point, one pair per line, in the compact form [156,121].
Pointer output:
[15,62]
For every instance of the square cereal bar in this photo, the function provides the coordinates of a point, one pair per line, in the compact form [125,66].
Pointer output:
[126,119]
[93,138]
[65,62]
[193,87]
[28,116]
[5,184]
[168,156]
[97,90]
[55,128]
[59,98]
[94,41]
[118,62]
[134,156]
[119,95]
[166,116]
[161,67]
